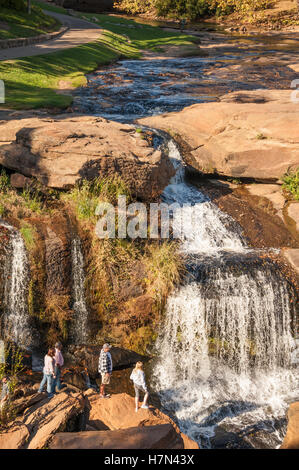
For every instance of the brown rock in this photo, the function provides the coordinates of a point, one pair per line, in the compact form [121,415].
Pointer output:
[15,438]
[62,152]
[292,255]
[35,428]
[291,440]
[162,436]
[257,140]
[88,356]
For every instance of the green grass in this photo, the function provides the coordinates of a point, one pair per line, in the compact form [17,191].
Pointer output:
[19,24]
[32,82]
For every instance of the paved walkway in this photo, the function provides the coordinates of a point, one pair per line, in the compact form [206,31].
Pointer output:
[80,32]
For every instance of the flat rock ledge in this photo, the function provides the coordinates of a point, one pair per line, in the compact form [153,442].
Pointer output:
[291,440]
[252,134]
[61,152]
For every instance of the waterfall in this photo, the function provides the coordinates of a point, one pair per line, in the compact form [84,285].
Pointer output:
[79,328]
[16,324]
[225,348]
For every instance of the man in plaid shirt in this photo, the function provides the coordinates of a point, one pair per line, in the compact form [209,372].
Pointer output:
[105,368]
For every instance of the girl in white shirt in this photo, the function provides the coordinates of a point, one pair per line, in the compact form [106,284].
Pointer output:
[138,377]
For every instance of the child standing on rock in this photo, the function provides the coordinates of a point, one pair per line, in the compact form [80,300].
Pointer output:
[138,377]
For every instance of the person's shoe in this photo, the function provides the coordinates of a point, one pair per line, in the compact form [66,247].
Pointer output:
[136,409]
[104,396]
[145,407]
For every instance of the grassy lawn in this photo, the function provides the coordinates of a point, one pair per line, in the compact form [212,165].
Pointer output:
[32,82]
[18,24]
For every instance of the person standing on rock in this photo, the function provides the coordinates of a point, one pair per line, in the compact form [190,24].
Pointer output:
[105,369]
[49,372]
[4,396]
[59,361]
[138,377]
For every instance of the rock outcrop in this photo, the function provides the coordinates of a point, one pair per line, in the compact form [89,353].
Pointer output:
[64,151]
[162,436]
[36,427]
[250,134]
[87,356]
[118,413]
[291,440]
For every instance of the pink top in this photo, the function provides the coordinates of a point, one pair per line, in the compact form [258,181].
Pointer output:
[59,358]
[49,365]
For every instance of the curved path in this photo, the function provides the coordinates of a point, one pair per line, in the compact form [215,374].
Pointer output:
[80,32]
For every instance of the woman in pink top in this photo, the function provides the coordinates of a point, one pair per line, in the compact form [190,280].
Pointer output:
[49,372]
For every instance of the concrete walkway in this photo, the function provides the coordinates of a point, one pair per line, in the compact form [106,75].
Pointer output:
[80,32]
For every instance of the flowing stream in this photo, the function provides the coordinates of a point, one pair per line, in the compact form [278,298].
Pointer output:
[224,365]
[16,320]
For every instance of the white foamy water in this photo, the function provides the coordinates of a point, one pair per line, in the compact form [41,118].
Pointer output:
[225,349]
[79,327]
[16,317]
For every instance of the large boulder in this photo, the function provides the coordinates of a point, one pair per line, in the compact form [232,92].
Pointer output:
[118,412]
[35,428]
[246,135]
[291,440]
[162,436]
[64,151]
[87,356]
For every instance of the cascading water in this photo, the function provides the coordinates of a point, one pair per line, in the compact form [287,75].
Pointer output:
[16,321]
[224,352]
[79,328]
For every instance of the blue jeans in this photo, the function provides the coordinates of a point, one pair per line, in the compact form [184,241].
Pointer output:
[49,379]
[56,381]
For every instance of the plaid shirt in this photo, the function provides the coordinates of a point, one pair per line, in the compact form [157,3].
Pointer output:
[105,362]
